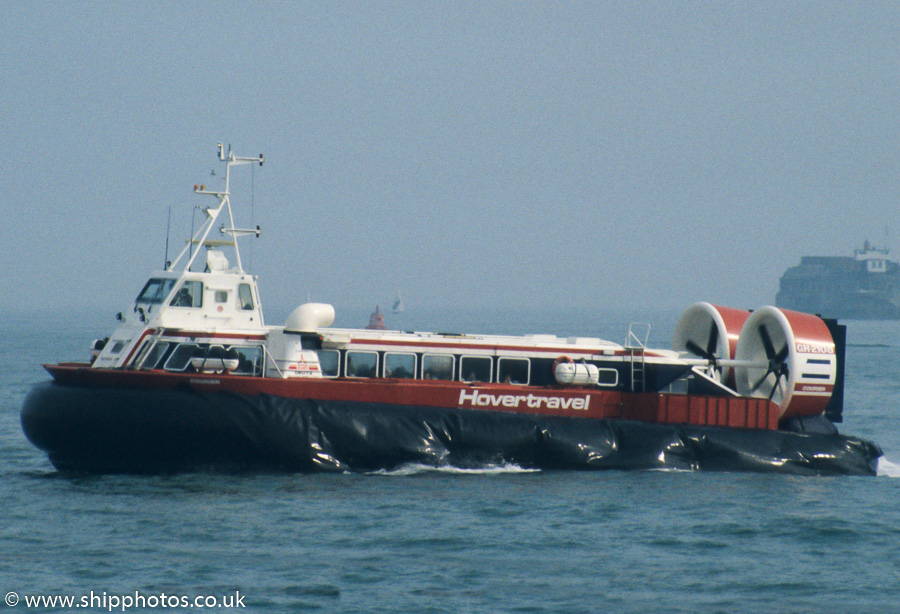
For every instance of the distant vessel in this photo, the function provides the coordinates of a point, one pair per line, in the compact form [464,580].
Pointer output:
[865,286]
[398,304]
[376,320]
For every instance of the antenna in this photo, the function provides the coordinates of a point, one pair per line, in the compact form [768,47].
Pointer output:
[252,201]
[222,195]
[168,226]
[191,243]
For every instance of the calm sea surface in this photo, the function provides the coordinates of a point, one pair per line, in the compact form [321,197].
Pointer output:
[418,540]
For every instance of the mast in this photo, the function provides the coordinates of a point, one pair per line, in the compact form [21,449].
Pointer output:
[201,237]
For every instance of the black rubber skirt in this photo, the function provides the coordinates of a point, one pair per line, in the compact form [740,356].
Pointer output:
[111,430]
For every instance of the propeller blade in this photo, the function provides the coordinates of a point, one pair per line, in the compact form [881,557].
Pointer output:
[777,386]
[767,342]
[774,388]
[761,381]
[713,344]
[782,354]
[783,371]
[693,348]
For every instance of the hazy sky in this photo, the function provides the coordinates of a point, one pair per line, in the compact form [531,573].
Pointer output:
[598,154]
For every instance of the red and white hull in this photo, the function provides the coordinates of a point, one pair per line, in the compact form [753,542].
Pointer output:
[193,377]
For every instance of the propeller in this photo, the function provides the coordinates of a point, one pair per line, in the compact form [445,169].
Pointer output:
[777,365]
[712,345]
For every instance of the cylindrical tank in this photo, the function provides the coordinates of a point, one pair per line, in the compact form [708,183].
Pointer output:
[568,373]
[215,359]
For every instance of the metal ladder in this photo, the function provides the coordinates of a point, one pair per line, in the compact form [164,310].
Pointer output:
[636,352]
[637,369]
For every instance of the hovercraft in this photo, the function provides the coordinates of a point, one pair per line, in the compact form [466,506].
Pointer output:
[193,379]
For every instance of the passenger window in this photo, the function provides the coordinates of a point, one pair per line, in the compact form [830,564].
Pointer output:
[310,342]
[245,297]
[607,377]
[400,365]
[189,295]
[250,359]
[475,369]
[329,361]
[154,355]
[362,364]
[437,366]
[181,357]
[513,370]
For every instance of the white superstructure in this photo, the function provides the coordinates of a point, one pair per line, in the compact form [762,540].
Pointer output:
[220,300]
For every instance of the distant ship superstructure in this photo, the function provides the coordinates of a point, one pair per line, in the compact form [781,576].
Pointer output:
[865,286]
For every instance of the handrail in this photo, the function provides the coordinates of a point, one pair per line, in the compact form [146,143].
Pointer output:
[632,336]
[274,363]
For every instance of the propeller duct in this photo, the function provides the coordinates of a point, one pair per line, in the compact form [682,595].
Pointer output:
[791,361]
[710,332]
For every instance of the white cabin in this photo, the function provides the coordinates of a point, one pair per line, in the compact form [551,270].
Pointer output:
[190,304]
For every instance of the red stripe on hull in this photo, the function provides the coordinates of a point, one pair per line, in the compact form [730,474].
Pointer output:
[570,402]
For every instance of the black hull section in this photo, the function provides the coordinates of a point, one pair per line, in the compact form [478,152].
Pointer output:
[112,430]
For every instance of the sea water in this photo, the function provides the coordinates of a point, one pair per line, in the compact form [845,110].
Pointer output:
[495,539]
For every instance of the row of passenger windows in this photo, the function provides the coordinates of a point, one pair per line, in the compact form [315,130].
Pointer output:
[427,366]
[250,360]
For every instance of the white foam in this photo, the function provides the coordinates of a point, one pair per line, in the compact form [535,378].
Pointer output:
[417,469]
[888,469]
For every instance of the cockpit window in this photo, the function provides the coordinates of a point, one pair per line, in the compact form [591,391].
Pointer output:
[190,294]
[245,296]
[156,290]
